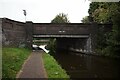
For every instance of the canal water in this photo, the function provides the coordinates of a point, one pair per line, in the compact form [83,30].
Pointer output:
[79,65]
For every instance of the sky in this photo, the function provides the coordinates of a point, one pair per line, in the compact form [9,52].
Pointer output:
[43,11]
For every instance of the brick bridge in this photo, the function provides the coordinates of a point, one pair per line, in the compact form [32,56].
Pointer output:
[73,36]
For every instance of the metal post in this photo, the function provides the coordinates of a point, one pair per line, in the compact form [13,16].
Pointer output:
[24,12]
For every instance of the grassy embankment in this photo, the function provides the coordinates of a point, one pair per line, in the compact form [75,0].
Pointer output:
[12,60]
[52,68]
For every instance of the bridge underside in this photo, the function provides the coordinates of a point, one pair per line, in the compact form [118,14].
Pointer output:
[61,36]
[79,43]
[75,44]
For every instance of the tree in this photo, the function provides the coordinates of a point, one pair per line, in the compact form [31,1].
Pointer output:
[109,12]
[85,20]
[60,18]
[100,11]
[114,37]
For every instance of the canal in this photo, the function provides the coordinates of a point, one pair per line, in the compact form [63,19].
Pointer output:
[79,65]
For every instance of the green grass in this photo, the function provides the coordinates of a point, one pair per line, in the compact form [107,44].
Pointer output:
[12,60]
[52,68]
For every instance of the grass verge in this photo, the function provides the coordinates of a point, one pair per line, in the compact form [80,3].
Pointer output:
[52,68]
[12,60]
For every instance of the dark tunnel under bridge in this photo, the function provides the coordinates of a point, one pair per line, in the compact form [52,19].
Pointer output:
[77,43]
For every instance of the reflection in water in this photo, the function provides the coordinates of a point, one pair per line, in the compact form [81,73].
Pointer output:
[36,47]
[85,66]
[43,47]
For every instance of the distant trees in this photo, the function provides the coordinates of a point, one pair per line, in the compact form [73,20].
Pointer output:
[85,20]
[60,18]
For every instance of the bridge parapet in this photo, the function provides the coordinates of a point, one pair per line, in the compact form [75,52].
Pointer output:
[61,29]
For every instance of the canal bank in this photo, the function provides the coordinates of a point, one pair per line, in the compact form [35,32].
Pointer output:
[53,69]
[88,66]
[92,53]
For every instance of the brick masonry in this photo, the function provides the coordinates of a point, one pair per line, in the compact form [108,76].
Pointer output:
[19,34]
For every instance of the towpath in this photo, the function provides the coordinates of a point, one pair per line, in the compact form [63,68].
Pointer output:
[33,67]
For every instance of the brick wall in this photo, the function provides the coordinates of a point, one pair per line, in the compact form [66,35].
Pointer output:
[54,29]
[13,33]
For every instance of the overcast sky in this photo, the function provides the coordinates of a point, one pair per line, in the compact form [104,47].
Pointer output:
[43,11]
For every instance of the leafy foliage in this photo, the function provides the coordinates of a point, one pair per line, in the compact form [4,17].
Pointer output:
[85,20]
[60,18]
[114,38]
[52,45]
[107,12]
[100,12]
